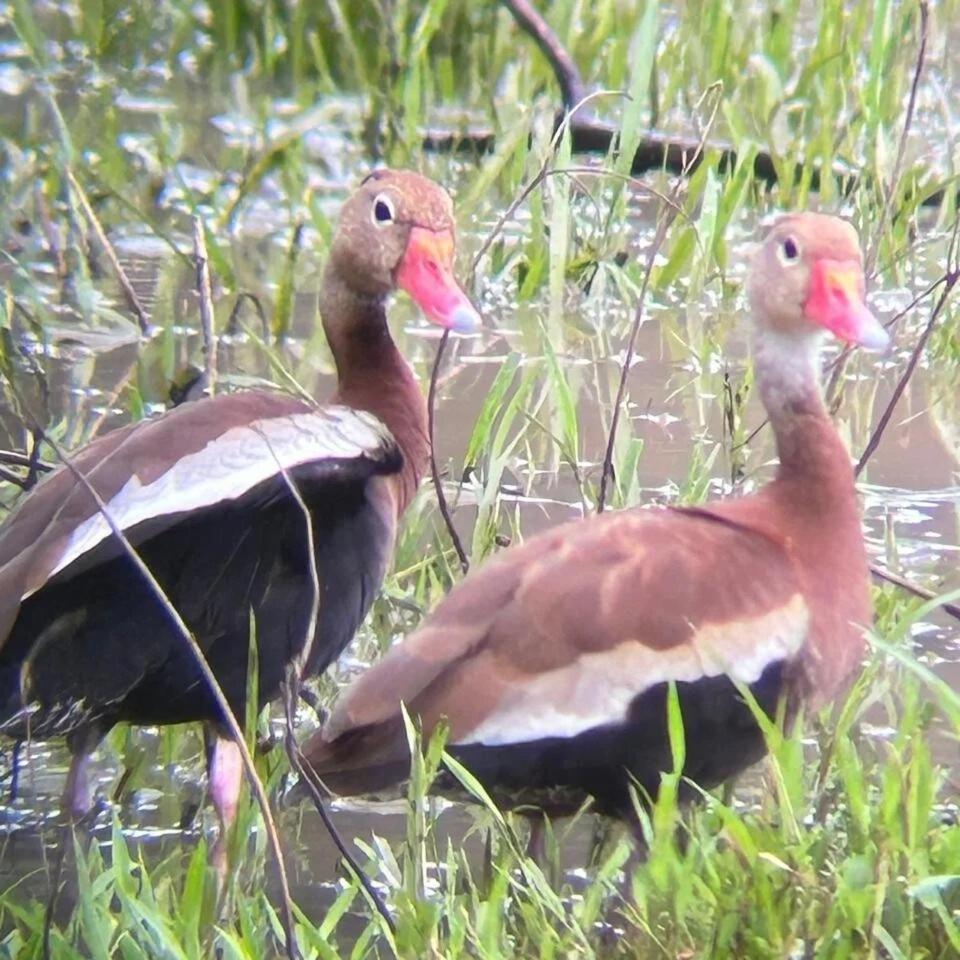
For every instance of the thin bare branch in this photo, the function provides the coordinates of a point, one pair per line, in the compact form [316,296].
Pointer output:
[434,470]
[871,258]
[54,890]
[949,281]
[136,212]
[233,321]
[35,467]
[544,172]
[572,172]
[668,213]
[315,788]
[8,476]
[133,301]
[565,454]
[16,459]
[107,407]
[205,295]
[292,692]
[833,392]
[13,789]
[607,469]
[300,662]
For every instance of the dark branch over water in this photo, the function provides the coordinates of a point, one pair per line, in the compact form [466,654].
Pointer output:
[657,150]
[670,153]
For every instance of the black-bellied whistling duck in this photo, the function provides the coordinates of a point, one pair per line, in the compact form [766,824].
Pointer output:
[552,663]
[202,494]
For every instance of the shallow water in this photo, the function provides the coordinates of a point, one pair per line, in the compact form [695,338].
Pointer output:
[911,496]
[98,370]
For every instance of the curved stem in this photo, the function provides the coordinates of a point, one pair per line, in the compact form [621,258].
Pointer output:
[229,720]
[434,471]
[670,210]
[314,788]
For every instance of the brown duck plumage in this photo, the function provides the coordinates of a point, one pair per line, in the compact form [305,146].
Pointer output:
[551,664]
[202,493]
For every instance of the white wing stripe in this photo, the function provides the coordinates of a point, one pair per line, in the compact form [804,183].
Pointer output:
[230,465]
[598,688]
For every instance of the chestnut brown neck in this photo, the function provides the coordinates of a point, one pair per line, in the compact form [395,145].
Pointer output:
[812,456]
[372,375]
[815,510]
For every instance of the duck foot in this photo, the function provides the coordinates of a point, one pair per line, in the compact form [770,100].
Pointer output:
[78,797]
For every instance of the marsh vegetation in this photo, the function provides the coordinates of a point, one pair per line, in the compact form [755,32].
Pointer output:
[256,116]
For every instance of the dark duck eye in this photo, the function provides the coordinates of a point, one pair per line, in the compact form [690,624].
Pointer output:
[382,209]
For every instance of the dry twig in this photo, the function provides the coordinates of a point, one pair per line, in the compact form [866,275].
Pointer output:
[667,215]
[434,470]
[126,286]
[205,295]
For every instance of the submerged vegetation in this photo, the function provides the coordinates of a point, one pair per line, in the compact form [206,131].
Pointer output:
[121,123]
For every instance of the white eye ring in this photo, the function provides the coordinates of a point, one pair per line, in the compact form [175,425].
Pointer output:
[788,251]
[382,211]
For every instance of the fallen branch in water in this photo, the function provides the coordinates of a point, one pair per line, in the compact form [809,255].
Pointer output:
[657,150]
[881,573]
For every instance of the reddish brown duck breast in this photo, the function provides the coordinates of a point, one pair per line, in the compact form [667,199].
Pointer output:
[552,663]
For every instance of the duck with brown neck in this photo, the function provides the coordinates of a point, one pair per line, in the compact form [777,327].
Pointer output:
[203,495]
[552,665]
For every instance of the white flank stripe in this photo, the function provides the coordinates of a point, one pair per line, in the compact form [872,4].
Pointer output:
[598,688]
[230,465]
